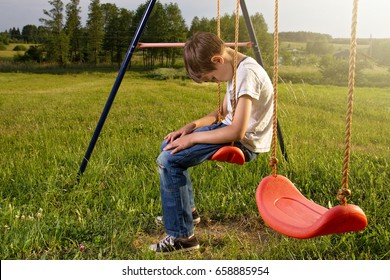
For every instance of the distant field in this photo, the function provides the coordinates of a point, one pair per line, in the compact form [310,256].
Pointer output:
[46,123]
[302,46]
[9,53]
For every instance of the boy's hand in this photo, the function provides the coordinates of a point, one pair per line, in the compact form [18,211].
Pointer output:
[181,143]
[187,129]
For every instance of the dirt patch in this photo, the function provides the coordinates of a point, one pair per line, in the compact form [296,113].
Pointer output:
[233,239]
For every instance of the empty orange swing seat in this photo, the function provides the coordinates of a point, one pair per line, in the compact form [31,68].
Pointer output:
[287,211]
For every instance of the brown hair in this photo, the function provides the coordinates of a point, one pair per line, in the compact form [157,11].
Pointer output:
[198,52]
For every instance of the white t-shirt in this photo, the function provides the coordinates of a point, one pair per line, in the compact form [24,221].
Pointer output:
[253,80]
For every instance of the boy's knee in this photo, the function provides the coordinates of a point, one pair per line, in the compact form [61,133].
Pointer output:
[163,144]
[163,159]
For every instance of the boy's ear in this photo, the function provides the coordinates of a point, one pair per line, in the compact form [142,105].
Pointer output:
[217,59]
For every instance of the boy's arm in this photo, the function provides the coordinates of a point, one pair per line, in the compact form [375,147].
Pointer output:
[188,128]
[206,120]
[227,134]
[210,118]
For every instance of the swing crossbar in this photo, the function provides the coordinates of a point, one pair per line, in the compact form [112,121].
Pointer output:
[181,45]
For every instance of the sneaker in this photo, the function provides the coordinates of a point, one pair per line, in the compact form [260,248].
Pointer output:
[195,216]
[170,244]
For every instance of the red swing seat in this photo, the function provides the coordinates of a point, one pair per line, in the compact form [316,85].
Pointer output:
[287,211]
[230,154]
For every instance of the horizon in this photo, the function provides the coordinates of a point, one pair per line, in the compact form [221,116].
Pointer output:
[372,14]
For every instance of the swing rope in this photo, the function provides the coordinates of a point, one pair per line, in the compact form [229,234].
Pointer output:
[273,160]
[235,59]
[229,153]
[219,83]
[282,205]
[344,192]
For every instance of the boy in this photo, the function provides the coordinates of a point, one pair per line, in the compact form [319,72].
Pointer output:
[207,59]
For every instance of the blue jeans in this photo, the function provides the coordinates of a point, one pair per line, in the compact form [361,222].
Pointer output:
[175,184]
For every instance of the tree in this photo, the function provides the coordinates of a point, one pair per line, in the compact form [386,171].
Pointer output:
[176,31]
[125,23]
[95,25]
[29,34]
[153,32]
[166,24]
[58,43]
[228,27]
[34,53]
[15,34]
[74,30]
[42,34]
[111,29]
[264,38]
[117,31]
[303,36]
[4,40]
[202,24]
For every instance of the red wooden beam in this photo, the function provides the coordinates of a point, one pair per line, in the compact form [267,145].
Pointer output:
[180,45]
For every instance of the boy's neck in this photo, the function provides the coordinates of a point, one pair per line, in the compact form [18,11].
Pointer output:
[240,56]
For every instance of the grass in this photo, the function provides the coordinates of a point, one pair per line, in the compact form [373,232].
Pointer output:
[46,123]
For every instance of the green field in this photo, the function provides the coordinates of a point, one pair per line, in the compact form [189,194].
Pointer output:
[46,123]
[8,54]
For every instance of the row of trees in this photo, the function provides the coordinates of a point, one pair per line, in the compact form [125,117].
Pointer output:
[109,29]
[105,38]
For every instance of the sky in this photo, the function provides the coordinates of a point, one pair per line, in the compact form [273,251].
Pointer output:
[331,17]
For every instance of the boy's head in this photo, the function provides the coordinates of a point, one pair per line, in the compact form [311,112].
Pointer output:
[198,54]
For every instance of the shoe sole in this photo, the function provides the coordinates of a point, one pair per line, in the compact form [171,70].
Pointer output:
[184,250]
[159,220]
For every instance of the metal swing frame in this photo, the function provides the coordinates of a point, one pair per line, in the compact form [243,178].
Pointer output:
[125,64]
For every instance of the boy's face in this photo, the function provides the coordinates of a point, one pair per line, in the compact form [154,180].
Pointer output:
[223,71]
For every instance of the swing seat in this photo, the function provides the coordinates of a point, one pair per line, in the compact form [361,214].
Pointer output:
[286,210]
[230,154]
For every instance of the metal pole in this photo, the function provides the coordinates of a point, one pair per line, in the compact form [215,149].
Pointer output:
[251,32]
[259,59]
[116,85]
